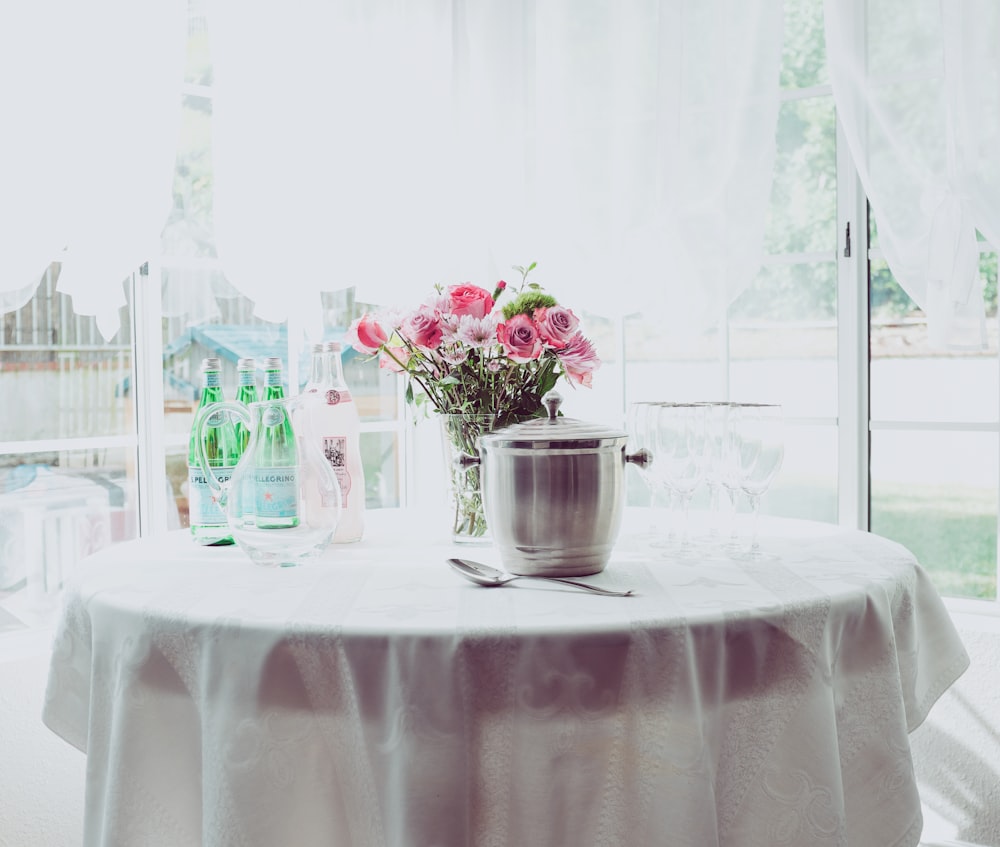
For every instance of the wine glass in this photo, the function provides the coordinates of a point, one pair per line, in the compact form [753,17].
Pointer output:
[716,429]
[679,455]
[639,426]
[758,445]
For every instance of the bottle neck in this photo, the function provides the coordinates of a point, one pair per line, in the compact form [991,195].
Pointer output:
[273,389]
[211,388]
[317,372]
[336,369]
[247,377]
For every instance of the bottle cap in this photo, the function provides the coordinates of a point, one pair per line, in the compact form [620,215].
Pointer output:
[333,346]
[317,348]
[211,363]
[246,364]
[272,363]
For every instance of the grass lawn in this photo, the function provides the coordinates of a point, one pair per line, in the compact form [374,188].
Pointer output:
[951,529]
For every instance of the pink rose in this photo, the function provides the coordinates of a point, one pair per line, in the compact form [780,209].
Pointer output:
[422,328]
[366,335]
[520,339]
[394,359]
[579,360]
[468,299]
[556,325]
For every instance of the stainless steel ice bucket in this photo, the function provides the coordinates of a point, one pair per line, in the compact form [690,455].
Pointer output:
[553,491]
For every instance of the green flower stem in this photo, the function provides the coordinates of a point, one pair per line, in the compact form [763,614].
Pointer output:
[427,390]
[469,520]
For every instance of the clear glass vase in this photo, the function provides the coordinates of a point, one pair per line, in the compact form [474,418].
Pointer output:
[459,435]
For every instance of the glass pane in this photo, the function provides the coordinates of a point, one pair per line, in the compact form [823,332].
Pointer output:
[936,493]
[913,382]
[381,460]
[803,62]
[55,508]
[671,366]
[60,378]
[189,229]
[802,217]
[601,403]
[806,485]
[783,340]
[197,64]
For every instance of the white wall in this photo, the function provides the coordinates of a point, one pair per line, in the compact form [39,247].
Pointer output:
[956,752]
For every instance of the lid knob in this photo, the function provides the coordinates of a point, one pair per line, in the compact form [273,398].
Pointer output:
[552,400]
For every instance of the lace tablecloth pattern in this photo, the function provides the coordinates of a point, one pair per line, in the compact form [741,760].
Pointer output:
[374,699]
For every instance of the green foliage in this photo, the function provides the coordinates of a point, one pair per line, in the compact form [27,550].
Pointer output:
[526,303]
[886,298]
[951,529]
[803,61]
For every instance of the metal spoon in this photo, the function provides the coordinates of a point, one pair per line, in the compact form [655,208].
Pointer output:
[485,575]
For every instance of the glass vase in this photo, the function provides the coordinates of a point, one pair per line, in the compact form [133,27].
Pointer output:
[459,434]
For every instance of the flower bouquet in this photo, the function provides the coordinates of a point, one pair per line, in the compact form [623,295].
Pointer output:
[481,360]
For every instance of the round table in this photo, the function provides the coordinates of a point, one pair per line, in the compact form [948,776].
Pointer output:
[374,699]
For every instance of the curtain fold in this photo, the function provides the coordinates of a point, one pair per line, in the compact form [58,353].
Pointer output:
[90,101]
[916,89]
[625,146]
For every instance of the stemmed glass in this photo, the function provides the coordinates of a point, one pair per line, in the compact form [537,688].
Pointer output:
[679,455]
[757,448]
[639,426]
[716,474]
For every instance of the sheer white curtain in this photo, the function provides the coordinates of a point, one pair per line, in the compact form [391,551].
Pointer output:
[917,88]
[89,99]
[624,145]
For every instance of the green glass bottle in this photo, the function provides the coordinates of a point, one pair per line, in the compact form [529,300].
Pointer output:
[246,393]
[277,458]
[206,518]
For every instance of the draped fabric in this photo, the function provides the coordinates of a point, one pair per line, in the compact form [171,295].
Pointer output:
[626,147]
[915,84]
[89,105]
[373,698]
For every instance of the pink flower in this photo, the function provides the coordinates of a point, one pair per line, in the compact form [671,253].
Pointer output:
[454,354]
[579,360]
[366,335]
[449,327]
[438,302]
[468,299]
[556,325]
[477,332]
[422,328]
[520,339]
[394,359]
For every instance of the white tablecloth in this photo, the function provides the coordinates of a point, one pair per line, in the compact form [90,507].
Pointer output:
[374,698]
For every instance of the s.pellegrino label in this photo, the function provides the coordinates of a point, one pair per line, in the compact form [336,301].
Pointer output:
[203,502]
[276,493]
[206,518]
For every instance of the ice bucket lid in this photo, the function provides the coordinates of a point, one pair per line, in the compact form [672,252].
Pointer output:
[554,432]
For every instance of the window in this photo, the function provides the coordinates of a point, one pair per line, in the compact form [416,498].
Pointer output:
[934,443]
[68,480]
[94,445]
